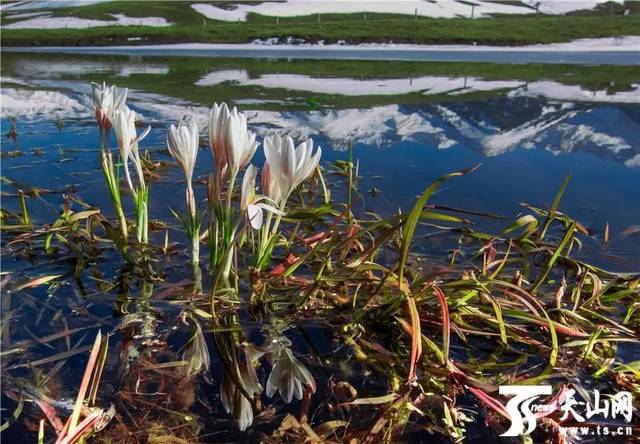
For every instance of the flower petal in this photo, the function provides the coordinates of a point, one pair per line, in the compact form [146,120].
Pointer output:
[255,216]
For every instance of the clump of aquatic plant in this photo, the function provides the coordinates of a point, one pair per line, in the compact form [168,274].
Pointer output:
[112,112]
[107,101]
[285,169]
[232,147]
[125,129]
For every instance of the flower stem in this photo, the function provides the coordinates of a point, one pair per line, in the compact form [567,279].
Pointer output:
[232,182]
[195,248]
[106,161]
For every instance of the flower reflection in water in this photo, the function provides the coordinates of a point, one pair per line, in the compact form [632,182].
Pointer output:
[237,391]
[288,375]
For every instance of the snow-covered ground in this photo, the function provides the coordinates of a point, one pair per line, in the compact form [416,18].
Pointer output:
[423,8]
[558,7]
[292,8]
[238,11]
[50,22]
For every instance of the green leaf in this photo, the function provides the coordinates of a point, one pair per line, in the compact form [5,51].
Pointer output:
[414,216]
[555,205]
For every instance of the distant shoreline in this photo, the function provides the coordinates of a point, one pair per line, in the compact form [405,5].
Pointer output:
[611,50]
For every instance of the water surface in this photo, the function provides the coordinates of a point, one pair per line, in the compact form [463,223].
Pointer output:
[406,123]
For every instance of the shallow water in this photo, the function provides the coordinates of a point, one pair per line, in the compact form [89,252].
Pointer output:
[527,127]
[419,124]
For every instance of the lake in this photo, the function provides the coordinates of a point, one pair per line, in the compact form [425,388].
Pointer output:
[405,123]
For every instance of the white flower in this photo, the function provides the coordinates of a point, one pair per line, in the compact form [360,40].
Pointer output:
[240,143]
[288,376]
[251,203]
[287,167]
[182,142]
[270,187]
[107,100]
[125,128]
[218,117]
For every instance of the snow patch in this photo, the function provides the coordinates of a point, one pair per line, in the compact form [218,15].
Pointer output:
[239,13]
[50,22]
[556,7]
[292,8]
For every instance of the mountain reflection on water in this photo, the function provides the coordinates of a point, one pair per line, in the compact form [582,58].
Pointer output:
[407,123]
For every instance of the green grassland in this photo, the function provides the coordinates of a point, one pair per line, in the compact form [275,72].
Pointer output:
[190,26]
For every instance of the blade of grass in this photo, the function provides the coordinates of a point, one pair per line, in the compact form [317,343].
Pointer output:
[414,216]
[555,205]
[563,243]
[416,338]
[86,379]
[37,281]
[446,323]
[97,375]
[41,432]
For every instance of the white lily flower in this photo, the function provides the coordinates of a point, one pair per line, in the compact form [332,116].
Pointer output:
[218,117]
[253,204]
[125,129]
[270,187]
[288,167]
[182,142]
[240,143]
[107,100]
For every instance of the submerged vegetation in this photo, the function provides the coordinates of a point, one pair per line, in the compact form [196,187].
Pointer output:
[308,321]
